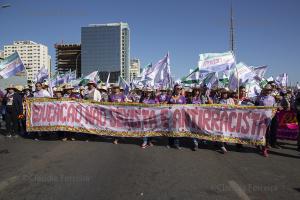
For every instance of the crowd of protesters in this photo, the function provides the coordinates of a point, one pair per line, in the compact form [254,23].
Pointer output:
[13,109]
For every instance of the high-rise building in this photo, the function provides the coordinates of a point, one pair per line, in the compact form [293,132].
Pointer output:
[68,57]
[106,48]
[34,56]
[135,68]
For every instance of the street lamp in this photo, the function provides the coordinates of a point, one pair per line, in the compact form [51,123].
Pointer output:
[4,5]
[76,63]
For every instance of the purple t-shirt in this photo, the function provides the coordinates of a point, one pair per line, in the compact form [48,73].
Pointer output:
[150,101]
[267,101]
[196,100]
[180,100]
[163,98]
[116,98]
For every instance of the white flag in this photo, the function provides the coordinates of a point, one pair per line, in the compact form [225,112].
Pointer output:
[216,62]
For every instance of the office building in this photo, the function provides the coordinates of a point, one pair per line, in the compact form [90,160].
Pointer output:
[68,58]
[34,56]
[106,48]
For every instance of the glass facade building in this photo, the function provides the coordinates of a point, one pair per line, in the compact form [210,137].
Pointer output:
[106,48]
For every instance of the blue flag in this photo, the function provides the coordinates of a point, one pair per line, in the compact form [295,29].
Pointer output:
[11,65]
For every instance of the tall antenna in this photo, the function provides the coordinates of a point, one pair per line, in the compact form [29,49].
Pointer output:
[231,40]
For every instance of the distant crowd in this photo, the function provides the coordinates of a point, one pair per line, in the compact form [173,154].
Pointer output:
[13,110]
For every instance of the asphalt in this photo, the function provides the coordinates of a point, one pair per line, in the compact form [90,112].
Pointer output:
[53,169]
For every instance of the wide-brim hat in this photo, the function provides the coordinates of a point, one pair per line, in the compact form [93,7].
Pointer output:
[68,87]
[26,87]
[115,86]
[45,84]
[147,89]
[224,90]
[268,87]
[19,88]
[104,88]
[58,90]
[11,86]
[92,83]
[76,91]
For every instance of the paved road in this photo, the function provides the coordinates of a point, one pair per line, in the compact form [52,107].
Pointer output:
[54,169]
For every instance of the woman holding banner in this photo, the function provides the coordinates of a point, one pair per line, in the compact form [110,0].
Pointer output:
[148,97]
[176,98]
[267,100]
[196,99]
[118,97]
[225,100]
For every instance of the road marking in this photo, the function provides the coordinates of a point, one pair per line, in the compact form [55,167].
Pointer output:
[7,182]
[238,190]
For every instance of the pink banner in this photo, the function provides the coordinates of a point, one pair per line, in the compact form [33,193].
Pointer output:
[245,125]
[287,125]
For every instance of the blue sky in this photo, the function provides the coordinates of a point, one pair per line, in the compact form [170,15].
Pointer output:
[267,31]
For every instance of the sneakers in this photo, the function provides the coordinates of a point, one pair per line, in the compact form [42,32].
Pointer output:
[265,153]
[195,147]
[115,141]
[144,145]
[8,136]
[151,144]
[224,150]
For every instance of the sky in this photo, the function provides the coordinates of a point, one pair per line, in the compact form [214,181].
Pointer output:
[267,32]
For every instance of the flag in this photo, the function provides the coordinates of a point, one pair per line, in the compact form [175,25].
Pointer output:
[254,89]
[216,62]
[260,72]
[270,79]
[11,65]
[210,80]
[159,75]
[91,77]
[195,77]
[282,80]
[107,80]
[124,85]
[42,75]
[69,76]
[57,80]
[241,75]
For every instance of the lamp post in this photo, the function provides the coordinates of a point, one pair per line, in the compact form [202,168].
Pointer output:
[76,63]
[4,5]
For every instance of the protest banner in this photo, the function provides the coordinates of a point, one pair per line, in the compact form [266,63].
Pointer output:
[235,124]
[287,125]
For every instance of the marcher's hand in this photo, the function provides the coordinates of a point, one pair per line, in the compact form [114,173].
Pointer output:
[21,116]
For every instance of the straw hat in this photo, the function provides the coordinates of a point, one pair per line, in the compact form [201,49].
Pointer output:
[92,83]
[115,86]
[76,91]
[19,87]
[45,84]
[59,89]
[225,90]
[268,87]
[26,87]
[147,89]
[11,86]
[102,88]
[68,87]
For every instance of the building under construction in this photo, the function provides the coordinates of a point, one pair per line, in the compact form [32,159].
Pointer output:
[68,57]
